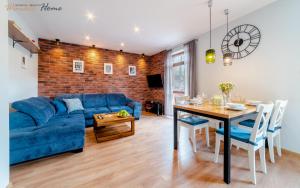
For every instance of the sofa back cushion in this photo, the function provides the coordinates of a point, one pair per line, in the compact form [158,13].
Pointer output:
[94,100]
[18,120]
[73,105]
[116,99]
[68,96]
[60,106]
[39,108]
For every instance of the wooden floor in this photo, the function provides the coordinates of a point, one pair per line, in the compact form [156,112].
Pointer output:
[147,159]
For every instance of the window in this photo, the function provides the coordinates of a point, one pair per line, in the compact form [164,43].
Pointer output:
[178,72]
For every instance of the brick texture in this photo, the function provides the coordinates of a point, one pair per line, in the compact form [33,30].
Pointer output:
[55,75]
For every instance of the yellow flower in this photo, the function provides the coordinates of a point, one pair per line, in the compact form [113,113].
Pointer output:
[226,87]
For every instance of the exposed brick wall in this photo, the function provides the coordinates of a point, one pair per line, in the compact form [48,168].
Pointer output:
[55,75]
[157,67]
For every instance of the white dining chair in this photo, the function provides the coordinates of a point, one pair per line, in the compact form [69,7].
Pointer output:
[192,122]
[249,140]
[274,127]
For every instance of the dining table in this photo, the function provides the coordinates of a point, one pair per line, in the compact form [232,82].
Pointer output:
[220,113]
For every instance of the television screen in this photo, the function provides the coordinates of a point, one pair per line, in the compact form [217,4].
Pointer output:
[154,81]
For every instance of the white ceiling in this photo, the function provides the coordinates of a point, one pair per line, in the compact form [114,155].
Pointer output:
[163,23]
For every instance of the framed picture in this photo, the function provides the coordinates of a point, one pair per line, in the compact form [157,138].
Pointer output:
[132,70]
[78,66]
[108,68]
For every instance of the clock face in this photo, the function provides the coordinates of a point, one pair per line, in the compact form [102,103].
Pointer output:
[241,41]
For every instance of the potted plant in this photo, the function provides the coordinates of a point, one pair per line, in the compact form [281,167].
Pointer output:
[226,88]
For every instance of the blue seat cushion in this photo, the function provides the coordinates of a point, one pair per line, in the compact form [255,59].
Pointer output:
[240,135]
[39,108]
[19,120]
[89,112]
[118,108]
[116,99]
[193,120]
[249,123]
[56,129]
[94,100]
[276,129]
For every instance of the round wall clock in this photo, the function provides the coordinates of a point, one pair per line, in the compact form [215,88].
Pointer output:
[241,41]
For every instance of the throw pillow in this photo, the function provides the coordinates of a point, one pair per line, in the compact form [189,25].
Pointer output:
[59,106]
[73,104]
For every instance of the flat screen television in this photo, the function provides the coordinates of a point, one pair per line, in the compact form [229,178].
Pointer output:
[155,81]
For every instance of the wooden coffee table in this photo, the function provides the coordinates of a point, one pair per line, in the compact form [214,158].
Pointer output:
[110,126]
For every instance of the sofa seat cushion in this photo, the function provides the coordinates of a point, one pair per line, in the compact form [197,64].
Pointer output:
[116,99]
[57,128]
[118,108]
[89,112]
[39,108]
[94,100]
[19,120]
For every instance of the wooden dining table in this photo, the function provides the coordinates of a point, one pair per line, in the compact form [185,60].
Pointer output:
[219,113]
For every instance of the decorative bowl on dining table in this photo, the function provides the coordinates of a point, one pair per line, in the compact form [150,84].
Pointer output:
[196,101]
[253,102]
[235,106]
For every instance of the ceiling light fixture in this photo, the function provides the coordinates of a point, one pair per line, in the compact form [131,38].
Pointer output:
[57,41]
[122,44]
[227,56]
[143,55]
[90,16]
[87,37]
[136,29]
[210,53]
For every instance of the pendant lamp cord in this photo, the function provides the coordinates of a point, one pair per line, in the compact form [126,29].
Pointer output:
[227,23]
[210,26]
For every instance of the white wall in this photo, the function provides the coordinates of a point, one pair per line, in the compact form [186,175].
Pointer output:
[269,73]
[4,81]
[23,80]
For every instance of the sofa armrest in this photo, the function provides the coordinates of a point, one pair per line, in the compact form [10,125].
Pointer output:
[136,106]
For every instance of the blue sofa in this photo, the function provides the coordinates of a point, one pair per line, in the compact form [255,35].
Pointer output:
[104,103]
[38,130]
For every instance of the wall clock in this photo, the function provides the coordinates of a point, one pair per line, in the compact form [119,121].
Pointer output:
[241,41]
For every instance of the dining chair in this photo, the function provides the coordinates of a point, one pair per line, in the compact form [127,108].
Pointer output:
[274,130]
[249,140]
[274,127]
[192,122]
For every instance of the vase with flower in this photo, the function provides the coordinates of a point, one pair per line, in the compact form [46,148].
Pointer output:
[226,88]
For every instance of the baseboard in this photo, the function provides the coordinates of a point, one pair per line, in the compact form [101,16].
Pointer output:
[288,152]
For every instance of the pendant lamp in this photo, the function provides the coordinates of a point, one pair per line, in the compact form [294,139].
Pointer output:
[227,56]
[210,53]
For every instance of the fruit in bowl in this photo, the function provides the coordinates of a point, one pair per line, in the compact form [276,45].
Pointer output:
[123,113]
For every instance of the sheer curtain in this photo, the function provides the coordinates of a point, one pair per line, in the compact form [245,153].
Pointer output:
[190,69]
[168,84]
